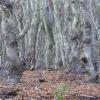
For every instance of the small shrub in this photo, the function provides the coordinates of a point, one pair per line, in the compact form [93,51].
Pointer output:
[60,89]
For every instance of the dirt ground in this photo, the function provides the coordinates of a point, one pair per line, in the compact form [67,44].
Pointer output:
[41,84]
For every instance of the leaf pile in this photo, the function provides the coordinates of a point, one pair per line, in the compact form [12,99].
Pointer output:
[43,85]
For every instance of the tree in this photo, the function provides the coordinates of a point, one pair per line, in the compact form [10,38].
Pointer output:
[11,39]
[60,33]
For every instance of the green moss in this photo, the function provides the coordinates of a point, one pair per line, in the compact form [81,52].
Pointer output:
[98,9]
[43,28]
[87,71]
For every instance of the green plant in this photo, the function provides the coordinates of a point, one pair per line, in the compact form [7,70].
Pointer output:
[60,89]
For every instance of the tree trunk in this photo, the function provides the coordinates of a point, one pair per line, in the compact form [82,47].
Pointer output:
[63,33]
[11,40]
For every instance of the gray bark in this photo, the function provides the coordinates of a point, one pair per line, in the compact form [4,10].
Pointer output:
[53,34]
[11,40]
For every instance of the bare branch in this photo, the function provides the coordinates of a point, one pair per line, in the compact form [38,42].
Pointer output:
[28,21]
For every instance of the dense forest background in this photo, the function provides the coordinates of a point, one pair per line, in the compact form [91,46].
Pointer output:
[50,34]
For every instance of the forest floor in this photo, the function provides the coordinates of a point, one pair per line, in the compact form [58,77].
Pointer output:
[48,85]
